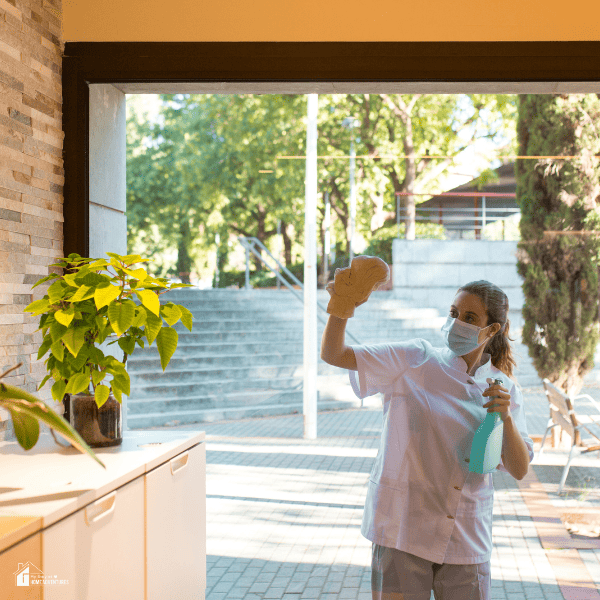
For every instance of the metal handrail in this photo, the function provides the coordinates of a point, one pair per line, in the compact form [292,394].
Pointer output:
[249,244]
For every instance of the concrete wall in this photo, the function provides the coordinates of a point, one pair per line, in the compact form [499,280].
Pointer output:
[429,272]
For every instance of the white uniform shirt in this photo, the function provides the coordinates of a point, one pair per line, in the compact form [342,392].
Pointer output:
[421,497]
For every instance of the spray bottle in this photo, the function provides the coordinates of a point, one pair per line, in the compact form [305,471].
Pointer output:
[486,449]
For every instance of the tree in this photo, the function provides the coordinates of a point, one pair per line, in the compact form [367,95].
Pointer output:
[231,139]
[165,206]
[408,132]
[560,246]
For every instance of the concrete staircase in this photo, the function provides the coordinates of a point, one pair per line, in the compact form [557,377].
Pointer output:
[244,357]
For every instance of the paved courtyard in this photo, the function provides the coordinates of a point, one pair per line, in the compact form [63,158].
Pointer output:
[284,513]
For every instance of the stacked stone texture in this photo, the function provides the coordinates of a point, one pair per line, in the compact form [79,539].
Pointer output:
[31,180]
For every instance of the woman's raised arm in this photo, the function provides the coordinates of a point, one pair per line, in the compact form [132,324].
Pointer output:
[333,347]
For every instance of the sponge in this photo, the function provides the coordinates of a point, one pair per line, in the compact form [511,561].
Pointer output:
[353,285]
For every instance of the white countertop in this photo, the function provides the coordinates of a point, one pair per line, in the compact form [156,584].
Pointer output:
[49,482]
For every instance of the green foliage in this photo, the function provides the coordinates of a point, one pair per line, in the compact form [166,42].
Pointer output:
[196,172]
[381,241]
[94,300]
[560,245]
[27,411]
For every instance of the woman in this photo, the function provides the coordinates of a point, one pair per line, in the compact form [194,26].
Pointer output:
[429,518]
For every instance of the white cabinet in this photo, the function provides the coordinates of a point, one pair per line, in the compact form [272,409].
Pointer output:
[133,531]
[176,527]
[99,549]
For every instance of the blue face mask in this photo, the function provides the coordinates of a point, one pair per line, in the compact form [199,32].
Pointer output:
[461,337]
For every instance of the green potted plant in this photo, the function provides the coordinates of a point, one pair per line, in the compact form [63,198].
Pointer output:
[26,410]
[95,298]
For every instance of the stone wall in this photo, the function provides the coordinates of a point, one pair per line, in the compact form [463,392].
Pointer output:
[428,272]
[31,179]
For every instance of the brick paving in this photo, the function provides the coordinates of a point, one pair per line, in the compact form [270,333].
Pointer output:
[284,513]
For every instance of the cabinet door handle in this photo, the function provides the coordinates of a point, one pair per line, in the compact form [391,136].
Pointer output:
[105,506]
[181,461]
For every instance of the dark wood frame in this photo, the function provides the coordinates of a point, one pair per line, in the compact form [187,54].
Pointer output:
[86,63]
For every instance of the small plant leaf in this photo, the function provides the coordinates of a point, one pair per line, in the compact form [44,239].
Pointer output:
[101,394]
[41,385]
[80,382]
[58,390]
[57,330]
[27,428]
[19,401]
[150,300]
[83,293]
[46,344]
[58,350]
[120,315]
[56,291]
[186,317]
[166,342]
[127,344]
[38,306]
[152,327]
[105,295]
[64,317]
[140,318]
[121,382]
[98,376]
[171,313]
[74,339]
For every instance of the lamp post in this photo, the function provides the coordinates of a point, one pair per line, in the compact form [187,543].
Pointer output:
[349,123]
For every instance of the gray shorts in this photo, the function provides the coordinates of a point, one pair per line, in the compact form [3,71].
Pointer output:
[398,575]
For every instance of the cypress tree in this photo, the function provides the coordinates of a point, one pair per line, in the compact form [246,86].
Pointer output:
[560,226]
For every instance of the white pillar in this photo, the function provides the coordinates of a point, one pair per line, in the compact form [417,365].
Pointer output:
[108,184]
[352,197]
[310,274]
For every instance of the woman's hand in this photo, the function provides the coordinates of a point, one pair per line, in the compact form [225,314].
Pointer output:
[501,400]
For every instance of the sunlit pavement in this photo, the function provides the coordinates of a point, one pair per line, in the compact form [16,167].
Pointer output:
[284,513]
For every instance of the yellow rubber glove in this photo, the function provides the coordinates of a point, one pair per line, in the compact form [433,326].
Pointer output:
[353,285]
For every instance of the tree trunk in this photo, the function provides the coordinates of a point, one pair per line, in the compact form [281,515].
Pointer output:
[287,245]
[184,260]
[404,112]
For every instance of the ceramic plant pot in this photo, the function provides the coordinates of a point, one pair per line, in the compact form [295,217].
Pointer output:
[98,427]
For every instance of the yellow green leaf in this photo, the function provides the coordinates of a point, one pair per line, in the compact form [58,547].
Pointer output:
[79,382]
[170,313]
[101,394]
[58,350]
[74,339]
[38,306]
[140,318]
[139,274]
[64,317]
[21,403]
[120,315]
[98,376]
[166,342]
[186,317]
[105,295]
[83,293]
[150,300]
[97,264]
[152,327]
[58,390]
[121,382]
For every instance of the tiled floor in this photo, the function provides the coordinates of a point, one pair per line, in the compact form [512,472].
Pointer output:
[284,513]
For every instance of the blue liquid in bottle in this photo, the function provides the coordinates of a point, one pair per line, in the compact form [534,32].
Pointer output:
[486,449]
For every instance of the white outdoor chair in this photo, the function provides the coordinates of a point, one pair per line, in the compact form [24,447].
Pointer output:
[563,415]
